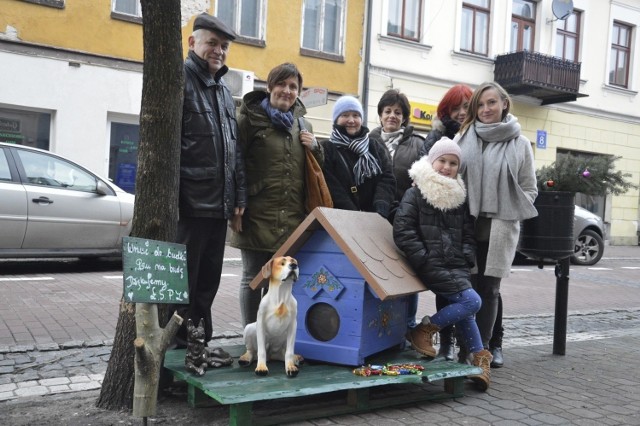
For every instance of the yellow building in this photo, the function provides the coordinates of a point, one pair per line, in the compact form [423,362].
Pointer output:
[72,69]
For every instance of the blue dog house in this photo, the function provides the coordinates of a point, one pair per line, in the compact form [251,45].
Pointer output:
[352,288]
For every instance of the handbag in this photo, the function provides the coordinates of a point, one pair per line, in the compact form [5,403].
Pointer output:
[317,192]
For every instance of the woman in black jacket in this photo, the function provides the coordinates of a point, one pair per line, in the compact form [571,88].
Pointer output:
[358,171]
[405,148]
[435,231]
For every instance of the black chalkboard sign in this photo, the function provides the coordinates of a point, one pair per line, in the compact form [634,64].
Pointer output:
[154,271]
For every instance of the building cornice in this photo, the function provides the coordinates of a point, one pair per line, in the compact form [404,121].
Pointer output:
[74,57]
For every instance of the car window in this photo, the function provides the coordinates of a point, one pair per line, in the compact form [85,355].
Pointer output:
[45,170]
[5,174]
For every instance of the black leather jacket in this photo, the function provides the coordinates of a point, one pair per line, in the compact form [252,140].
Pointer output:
[212,178]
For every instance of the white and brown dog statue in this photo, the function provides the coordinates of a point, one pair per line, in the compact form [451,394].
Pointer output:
[273,335]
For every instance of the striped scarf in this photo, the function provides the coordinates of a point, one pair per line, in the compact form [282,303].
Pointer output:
[366,166]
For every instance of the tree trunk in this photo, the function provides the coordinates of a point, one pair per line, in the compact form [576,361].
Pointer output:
[156,206]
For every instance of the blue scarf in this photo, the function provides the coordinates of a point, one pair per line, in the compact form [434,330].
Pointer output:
[278,118]
[366,166]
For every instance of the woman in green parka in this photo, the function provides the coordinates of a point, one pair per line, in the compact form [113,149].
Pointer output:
[273,137]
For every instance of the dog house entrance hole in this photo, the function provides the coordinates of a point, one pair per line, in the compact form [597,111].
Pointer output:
[323,322]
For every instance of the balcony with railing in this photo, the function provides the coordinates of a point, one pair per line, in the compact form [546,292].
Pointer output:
[550,79]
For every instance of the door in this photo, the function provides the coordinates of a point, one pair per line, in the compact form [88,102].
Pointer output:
[65,210]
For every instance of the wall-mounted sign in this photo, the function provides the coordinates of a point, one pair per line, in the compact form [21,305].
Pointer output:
[154,271]
[9,125]
[422,114]
[314,96]
[541,139]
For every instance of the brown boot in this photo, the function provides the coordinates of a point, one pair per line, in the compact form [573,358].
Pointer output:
[482,359]
[422,338]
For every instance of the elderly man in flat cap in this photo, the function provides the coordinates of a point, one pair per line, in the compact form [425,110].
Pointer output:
[212,180]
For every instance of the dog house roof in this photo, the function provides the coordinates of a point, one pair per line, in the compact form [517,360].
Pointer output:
[367,241]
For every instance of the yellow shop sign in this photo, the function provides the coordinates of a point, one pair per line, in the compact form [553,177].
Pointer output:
[422,114]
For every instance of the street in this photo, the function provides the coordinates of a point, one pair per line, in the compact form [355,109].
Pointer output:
[62,302]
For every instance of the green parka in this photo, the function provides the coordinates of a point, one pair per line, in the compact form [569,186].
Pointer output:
[274,166]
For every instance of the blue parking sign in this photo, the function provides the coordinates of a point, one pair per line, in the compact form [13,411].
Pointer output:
[541,139]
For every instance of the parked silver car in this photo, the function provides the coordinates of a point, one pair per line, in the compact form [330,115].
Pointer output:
[588,232]
[53,207]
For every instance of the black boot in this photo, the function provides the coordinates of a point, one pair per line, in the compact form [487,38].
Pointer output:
[446,352]
[497,360]
[495,344]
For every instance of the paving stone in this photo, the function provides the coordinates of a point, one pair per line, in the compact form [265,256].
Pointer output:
[79,379]
[93,343]
[84,386]
[5,396]
[59,389]
[72,344]
[8,387]
[25,376]
[6,369]
[55,371]
[4,349]
[22,359]
[55,381]
[48,347]
[7,362]
[27,384]
[22,348]
[32,391]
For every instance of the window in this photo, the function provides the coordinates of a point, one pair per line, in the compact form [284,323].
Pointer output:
[475,27]
[246,17]
[405,19]
[5,173]
[46,170]
[323,26]
[123,155]
[27,128]
[523,25]
[620,54]
[58,4]
[568,37]
[127,7]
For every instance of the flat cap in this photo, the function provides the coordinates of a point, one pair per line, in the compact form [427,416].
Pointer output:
[207,22]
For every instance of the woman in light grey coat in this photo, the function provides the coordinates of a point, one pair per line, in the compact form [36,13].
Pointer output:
[499,172]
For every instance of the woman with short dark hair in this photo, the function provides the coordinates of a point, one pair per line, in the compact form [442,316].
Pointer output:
[273,144]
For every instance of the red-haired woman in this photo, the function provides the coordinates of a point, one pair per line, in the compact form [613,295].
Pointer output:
[452,110]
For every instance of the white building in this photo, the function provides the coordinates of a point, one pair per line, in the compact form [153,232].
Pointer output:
[423,47]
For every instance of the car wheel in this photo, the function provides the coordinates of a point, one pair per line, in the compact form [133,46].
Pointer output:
[588,248]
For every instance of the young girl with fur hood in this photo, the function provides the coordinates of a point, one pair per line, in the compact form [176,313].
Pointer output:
[435,231]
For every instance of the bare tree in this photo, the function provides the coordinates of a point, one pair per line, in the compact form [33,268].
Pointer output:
[156,205]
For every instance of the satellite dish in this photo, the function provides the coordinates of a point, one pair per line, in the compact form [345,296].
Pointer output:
[562,9]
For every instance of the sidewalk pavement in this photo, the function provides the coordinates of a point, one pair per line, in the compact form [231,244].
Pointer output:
[596,382]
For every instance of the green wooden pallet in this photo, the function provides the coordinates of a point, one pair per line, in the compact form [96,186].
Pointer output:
[336,389]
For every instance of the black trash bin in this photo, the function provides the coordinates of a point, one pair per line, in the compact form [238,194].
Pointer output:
[550,234]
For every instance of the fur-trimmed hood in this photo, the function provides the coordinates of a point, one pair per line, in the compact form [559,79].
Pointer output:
[440,191]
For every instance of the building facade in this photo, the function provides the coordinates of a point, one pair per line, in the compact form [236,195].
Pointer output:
[71,77]
[71,80]
[572,68]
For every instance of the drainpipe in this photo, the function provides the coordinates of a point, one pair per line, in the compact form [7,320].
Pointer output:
[367,58]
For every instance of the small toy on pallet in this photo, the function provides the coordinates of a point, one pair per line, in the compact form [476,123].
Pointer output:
[198,357]
[389,370]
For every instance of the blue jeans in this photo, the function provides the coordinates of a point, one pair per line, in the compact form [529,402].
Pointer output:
[460,311]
